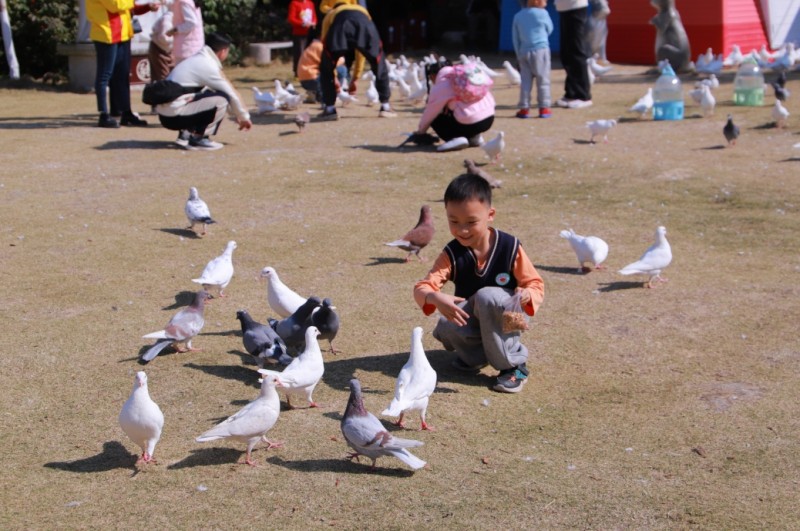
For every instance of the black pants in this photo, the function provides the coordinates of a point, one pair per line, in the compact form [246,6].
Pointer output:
[351,31]
[299,43]
[574,53]
[448,128]
[202,116]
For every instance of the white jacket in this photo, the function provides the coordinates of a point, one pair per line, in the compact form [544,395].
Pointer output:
[203,69]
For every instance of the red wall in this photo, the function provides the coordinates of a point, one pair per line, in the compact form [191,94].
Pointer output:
[709,23]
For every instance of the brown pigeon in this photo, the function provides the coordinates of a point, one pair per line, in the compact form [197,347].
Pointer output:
[301,119]
[417,238]
[473,169]
[182,328]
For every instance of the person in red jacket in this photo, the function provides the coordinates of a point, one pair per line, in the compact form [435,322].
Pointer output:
[302,17]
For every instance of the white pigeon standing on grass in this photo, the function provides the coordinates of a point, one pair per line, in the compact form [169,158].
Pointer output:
[197,212]
[182,328]
[735,57]
[141,419]
[643,104]
[251,423]
[281,298]
[596,68]
[366,435]
[712,81]
[372,93]
[707,100]
[494,147]
[219,271]
[654,260]
[305,371]
[600,127]
[415,384]
[780,114]
[512,73]
[345,97]
[696,94]
[588,249]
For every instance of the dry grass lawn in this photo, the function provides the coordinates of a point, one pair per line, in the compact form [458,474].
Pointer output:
[668,408]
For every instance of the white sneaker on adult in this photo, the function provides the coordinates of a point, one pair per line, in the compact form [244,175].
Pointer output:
[580,104]
[455,144]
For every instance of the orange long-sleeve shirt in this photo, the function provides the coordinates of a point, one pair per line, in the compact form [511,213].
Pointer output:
[524,272]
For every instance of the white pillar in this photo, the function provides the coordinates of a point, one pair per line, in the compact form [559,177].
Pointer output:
[8,41]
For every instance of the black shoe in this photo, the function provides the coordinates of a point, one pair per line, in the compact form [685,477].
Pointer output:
[131,120]
[183,138]
[328,116]
[511,380]
[107,122]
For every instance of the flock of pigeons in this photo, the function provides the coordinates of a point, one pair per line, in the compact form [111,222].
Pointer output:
[303,323]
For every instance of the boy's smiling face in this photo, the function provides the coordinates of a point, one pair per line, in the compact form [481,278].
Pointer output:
[469,222]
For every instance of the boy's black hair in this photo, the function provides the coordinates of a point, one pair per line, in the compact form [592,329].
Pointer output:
[218,41]
[431,69]
[466,187]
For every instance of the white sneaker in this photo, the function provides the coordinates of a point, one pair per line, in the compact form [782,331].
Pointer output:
[579,104]
[455,144]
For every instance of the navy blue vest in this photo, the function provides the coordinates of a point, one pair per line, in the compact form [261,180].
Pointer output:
[497,271]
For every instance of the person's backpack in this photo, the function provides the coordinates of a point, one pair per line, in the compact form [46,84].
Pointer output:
[163,91]
[470,82]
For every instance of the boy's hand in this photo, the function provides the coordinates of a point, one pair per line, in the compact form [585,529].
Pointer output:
[448,307]
[525,296]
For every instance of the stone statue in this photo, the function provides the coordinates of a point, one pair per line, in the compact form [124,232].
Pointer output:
[671,40]
[597,32]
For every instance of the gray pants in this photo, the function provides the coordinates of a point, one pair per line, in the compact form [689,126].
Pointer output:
[482,339]
[534,64]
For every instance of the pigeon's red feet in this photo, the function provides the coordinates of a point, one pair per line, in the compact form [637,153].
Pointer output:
[272,444]
[426,426]
[313,404]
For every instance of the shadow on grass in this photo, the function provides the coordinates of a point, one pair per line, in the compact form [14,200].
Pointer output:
[138,144]
[113,456]
[561,270]
[229,372]
[617,286]
[186,233]
[182,298]
[408,148]
[343,465]
[768,125]
[791,159]
[583,142]
[382,260]
[208,457]
[339,372]
[711,148]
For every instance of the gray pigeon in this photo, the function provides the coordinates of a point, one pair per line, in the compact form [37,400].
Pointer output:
[293,329]
[327,322]
[475,170]
[731,131]
[261,341]
[366,435]
[183,326]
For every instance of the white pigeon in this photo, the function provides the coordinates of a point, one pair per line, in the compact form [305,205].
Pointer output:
[696,94]
[779,114]
[141,419]
[305,371]
[600,127]
[712,81]
[265,101]
[372,93]
[766,55]
[654,260]
[405,89]
[713,67]
[291,102]
[415,384]
[280,297]
[486,70]
[280,92]
[251,423]
[704,59]
[735,57]
[588,249]
[643,104]
[707,100]
[366,435]
[494,147]
[596,68]
[218,271]
[345,97]
[512,73]
[591,75]
[197,212]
